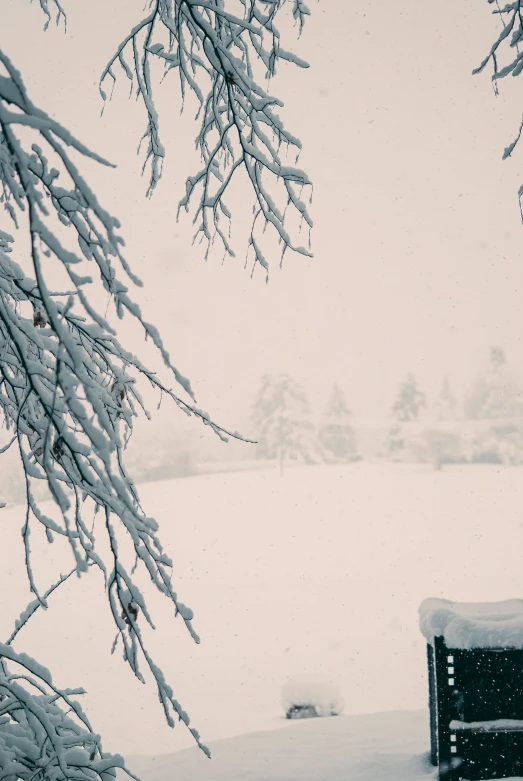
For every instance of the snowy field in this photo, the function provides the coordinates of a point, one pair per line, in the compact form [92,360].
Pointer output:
[380,747]
[318,573]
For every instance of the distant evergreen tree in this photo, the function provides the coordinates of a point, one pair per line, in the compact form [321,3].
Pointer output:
[407,407]
[440,445]
[283,423]
[446,404]
[496,396]
[336,433]
[410,401]
[495,393]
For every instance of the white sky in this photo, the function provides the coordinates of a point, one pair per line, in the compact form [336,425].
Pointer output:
[417,232]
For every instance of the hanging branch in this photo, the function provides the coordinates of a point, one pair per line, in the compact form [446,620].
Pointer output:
[69,389]
[216,55]
[509,41]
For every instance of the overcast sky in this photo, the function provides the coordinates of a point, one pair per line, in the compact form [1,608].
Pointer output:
[417,261]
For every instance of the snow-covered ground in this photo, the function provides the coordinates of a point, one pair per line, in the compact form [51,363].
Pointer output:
[379,747]
[318,573]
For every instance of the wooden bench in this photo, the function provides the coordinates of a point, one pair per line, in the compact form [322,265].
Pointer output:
[476,706]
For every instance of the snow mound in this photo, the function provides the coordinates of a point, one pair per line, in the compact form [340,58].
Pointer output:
[469,625]
[310,696]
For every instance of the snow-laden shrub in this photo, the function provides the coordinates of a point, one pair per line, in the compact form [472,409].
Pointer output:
[309,696]
[437,447]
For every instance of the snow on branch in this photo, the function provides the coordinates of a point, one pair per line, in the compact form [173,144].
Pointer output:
[44,733]
[509,41]
[57,8]
[69,390]
[217,55]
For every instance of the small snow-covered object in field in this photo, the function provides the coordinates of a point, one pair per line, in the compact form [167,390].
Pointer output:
[467,625]
[308,697]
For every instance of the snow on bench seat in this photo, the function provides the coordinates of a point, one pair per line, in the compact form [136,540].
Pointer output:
[499,725]
[468,625]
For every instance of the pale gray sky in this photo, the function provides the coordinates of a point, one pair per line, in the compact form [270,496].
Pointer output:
[417,232]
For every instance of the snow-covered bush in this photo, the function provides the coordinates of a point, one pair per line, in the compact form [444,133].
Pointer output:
[499,443]
[437,447]
[307,697]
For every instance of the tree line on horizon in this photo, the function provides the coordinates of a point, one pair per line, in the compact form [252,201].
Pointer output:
[483,427]
[444,431]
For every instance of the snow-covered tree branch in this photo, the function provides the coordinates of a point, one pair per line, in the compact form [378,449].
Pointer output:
[507,45]
[44,732]
[282,420]
[217,55]
[70,390]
